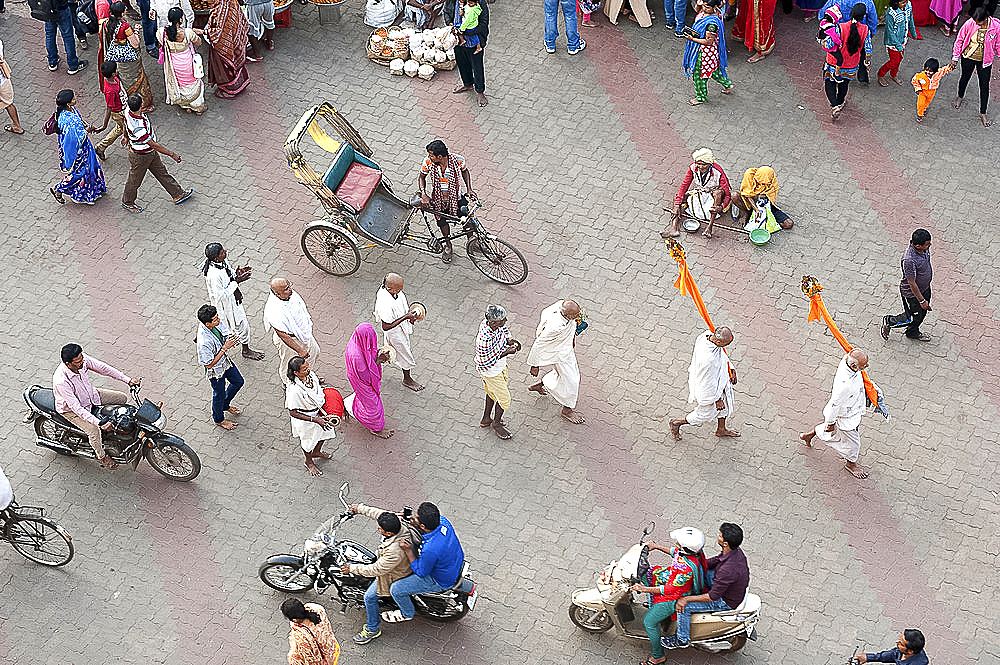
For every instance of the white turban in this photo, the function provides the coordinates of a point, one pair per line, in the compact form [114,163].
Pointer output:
[704,155]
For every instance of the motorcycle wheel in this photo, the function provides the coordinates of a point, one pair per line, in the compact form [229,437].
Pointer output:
[440,610]
[275,575]
[178,463]
[592,621]
[45,428]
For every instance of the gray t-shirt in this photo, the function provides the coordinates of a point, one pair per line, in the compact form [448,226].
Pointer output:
[915,265]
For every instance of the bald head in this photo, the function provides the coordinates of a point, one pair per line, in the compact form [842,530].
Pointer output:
[569,309]
[281,287]
[857,360]
[722,336]
[393,283]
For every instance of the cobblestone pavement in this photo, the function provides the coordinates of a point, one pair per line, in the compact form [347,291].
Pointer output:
[576,157]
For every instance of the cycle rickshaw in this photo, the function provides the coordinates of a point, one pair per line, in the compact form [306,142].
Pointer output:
[363,209]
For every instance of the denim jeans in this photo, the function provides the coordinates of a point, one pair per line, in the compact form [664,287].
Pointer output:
[371,607]
[401,590]
[675,12]
[222,396]
[552,23]
[148,27]
[65,25]
[684,618]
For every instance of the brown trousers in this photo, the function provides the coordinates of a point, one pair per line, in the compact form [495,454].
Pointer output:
[115,133]
[93,431]
[139,163]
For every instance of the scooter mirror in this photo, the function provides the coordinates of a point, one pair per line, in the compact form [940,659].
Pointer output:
[344,489]
[648,529]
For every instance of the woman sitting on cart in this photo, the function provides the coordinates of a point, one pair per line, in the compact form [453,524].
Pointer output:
[443,196]
[704,193]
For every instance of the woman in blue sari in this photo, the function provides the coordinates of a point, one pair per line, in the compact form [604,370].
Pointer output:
[705,55]
[85,182]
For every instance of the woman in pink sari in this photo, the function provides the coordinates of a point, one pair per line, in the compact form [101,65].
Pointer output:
[364,371]
[184,85]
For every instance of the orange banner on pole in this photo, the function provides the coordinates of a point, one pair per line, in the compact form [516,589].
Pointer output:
[817,310]
[685,282]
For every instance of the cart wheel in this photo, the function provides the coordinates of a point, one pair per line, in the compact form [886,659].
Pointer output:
[497,259]
[331,250]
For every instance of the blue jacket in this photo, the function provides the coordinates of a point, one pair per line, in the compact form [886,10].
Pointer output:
[894,656]
[440,556]
[871,14]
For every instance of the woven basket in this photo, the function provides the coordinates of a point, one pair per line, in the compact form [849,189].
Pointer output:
[383,56]
[201,5]
[443,66]
[325,2]
[281,4]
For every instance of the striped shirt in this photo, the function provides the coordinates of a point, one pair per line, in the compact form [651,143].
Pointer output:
[140,132]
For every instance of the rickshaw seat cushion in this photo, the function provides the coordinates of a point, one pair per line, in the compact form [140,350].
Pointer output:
[338,169]
[358,185]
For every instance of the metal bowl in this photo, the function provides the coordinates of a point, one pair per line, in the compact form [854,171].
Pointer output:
[691,224]
[392,353]
[514,342]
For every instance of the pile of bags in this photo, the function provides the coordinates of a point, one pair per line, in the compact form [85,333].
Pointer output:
[427,51]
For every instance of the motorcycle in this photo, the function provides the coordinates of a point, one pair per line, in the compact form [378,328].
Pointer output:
[136,434]
[611,604]
[319,567]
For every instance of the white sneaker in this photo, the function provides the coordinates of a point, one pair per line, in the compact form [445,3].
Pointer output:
[395,616]
[574,51]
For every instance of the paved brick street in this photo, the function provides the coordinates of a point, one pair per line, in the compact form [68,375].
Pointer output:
[575,157]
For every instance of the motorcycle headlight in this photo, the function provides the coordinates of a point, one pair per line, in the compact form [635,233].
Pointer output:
[313,546]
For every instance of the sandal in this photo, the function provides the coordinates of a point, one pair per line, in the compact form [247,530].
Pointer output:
[131,207]
[57,195]
[447,254]
[108,463]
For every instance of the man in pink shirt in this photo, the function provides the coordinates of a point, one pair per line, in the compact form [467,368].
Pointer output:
[75,395]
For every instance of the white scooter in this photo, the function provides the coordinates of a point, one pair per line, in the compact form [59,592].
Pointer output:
[611,604]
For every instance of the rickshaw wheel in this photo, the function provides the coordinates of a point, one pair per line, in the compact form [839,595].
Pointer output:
[497,259]
[331,250]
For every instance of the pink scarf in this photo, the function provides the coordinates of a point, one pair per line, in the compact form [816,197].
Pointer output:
[365,375]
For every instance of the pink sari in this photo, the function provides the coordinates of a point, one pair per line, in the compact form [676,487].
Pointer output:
[365,375]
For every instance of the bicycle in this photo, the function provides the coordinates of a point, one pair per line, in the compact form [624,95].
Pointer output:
[34,536]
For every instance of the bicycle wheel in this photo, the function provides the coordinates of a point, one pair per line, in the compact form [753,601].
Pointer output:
[497,259]
[331,250]
[40,540]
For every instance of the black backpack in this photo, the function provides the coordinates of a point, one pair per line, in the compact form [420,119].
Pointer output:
[86,14]
[43,10]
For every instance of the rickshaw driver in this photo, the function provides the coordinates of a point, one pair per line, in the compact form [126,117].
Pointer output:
[444,194]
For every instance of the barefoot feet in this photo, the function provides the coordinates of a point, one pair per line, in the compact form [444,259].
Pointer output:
[855,470]
[675,429]
[571,415]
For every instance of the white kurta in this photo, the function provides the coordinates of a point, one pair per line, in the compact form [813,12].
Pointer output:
[708,381]
[845,409]
[554,346]
[221,290]
[290,317]
[388,309]
[307,400]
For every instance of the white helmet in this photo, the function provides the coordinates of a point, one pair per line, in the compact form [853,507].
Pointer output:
[689,538]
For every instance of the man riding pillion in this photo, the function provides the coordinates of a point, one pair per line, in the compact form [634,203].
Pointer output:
[75,395]
[390,565]
[730,577]
[436,564]
[683,576]
[444,192]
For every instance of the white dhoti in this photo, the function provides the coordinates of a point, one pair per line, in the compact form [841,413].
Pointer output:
[708,381]
[307,400]
[388,309]
[286,353]
[847,442]
[553,347]
[704,413]
[221,291]
[844,410]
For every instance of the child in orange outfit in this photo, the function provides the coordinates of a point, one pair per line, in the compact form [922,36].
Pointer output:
[926,83]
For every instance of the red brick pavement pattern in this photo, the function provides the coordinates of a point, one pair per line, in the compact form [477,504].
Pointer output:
[505,497]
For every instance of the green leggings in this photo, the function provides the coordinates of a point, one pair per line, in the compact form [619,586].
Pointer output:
[657,613]
[701,84]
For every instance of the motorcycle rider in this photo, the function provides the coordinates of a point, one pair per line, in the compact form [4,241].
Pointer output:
[75,395]
[436,566]
[390,565]
[728,586]
[909,651]
[684,575]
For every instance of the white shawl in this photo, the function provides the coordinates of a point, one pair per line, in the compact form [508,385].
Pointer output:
[553,338]
[708,374]
[289,316]
[847,401]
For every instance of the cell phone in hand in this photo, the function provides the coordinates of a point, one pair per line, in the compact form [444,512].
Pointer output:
[690,32]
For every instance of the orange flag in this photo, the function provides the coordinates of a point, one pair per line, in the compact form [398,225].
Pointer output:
[817,310]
